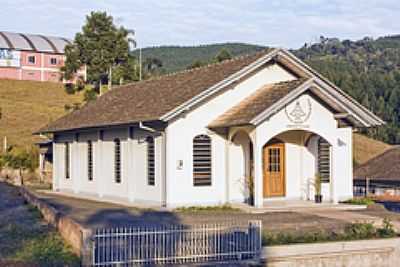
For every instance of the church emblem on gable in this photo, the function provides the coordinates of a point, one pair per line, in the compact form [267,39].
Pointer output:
[299,112]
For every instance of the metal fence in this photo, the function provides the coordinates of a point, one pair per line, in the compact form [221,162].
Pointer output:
[177,244]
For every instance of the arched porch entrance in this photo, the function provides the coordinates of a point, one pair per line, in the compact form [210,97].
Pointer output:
[291,161]
[241,168]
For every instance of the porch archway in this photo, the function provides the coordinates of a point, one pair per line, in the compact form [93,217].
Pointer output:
[242,167]
[290,162]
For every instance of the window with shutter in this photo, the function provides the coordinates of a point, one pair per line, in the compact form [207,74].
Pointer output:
[202,160]
[324,159]
[117,160]
[67,160]
[150,161]
[90,160]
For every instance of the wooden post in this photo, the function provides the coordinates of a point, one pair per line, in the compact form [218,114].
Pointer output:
[366,186]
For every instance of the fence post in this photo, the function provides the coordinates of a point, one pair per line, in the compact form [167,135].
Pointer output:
[87,248]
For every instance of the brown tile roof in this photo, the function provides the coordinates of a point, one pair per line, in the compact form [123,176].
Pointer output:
[253,105]
[385,166]
[150,99]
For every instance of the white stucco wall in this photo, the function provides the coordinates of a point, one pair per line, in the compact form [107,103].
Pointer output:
[181,132]
[133,185]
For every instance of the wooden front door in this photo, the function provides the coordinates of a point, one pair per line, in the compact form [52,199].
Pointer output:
[274,170]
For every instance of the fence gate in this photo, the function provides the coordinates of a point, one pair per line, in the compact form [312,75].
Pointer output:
[176,244]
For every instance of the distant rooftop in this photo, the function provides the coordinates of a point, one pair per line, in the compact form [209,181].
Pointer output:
[32,42]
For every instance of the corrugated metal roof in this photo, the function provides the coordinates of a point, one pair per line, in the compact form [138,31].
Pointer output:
[32,42]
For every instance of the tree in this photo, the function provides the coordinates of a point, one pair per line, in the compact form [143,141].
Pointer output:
[223,55]
[21,159]
[196,64]
[101,46]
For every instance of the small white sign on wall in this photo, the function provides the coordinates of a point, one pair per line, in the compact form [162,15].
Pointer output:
[179,164]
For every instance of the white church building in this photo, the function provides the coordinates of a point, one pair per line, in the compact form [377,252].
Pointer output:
[257,127]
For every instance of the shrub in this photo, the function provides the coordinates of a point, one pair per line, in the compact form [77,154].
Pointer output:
[206,208]
[80,84]
[387,230]
[359,231]
[47,251]
[90,95]
[69,88]
[355,231]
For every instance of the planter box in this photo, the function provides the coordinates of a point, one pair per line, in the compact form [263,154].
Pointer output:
[361,253]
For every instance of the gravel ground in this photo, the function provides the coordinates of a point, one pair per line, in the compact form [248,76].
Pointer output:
[16,219]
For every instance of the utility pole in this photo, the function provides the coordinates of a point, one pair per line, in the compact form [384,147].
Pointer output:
[110,78]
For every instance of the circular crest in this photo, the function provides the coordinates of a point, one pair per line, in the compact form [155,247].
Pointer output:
[299,112]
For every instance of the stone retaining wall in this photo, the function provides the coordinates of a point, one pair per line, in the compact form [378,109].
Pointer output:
[73,233]
[362,253]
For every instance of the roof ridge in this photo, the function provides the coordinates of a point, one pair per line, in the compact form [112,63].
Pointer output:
[236,58]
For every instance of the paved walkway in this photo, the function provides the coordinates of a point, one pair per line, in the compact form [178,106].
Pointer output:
[295,216]
[95,214]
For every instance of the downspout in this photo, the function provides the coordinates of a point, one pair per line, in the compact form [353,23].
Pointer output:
[164,165]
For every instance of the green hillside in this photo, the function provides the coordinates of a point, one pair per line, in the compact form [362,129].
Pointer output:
[176,58]
[26,106]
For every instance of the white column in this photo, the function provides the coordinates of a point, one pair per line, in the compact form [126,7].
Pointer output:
[342,165]
[99,174]
[56,165]
[258,174]
[227,166]
[130,166]
[76,179]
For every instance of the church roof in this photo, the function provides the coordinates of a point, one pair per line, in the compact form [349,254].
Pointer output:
[149,100]
[253,105]
[164,98]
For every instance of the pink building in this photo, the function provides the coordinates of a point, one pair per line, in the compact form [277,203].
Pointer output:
[32,57]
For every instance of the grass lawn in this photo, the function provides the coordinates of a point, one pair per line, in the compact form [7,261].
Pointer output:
[26,106]
[26,240]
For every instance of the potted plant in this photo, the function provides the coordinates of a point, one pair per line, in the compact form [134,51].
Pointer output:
[317,187]
[249,184]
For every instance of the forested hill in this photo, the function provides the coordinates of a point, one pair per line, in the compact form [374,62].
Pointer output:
[175,58]
[367,69]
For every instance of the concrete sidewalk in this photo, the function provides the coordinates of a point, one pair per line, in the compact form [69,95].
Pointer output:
[295,216]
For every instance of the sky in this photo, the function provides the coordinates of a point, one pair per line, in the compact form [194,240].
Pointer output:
[275,23]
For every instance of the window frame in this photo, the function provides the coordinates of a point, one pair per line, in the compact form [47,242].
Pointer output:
[117,161]
[55,61]
[29,57]
[90,160]
[201,144]
[151,161]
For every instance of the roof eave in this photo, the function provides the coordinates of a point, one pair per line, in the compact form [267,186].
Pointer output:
[97,127]
[374,119]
